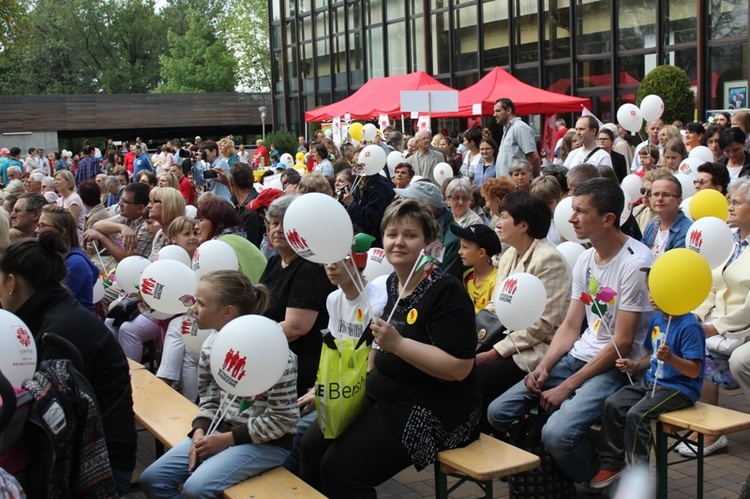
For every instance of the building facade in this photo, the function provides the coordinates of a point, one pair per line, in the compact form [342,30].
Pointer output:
[324,50]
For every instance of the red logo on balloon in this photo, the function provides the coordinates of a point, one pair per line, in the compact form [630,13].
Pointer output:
[147,286]
[510,286]
[297,241]
[23,336]
[632,112]
[696,238]
[233,369]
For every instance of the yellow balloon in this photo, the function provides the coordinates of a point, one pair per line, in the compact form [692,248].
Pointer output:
[301,168]
[355,131]
[679,281]
[709,203]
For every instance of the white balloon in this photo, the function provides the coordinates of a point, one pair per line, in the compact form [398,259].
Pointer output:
[712,239]
[652,107]
[174,252]
[563,212]
[328,132]
[128,272]
[98,293]
[373,159]
[689,167]
[287,160]
[191,211]
[377,265]
[688,188]
[380,282]
[393,159]
[520,300]
[703,153]
[189,332]
[17,349]
[632,185]
[442,172]
[249,355]
[369,132]
[168,286]
[629,117]
[214,255]
[685,207]
[152,314]
[416,178]
[328,242]
[627,208]
[570,251]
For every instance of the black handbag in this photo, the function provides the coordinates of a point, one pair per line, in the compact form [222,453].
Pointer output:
[124,311]
[547,481]
[489,330]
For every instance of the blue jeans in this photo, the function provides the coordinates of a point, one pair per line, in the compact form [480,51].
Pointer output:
[563,435]
[214,475]
[292,462]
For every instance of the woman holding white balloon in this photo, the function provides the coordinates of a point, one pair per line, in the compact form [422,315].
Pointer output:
[422,395]
[524,222]
[246,442]
[30,275]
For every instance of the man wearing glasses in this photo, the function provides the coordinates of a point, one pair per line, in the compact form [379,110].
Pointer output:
[134,235]
[587,131]
[668,230]
[24,217]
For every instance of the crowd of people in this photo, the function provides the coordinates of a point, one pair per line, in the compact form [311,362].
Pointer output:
[69,219]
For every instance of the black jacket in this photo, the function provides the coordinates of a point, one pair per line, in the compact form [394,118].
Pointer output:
[619,165]
[104,364]
[370,202]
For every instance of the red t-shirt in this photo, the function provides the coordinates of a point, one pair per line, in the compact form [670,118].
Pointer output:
[187,191]
[128,160]
[262,151]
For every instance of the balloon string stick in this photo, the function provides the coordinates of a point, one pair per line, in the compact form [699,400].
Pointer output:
[356,182]
[356,278]
[403,287]
[223,414]
[660,364]
[609,333]
[218,411]
[526,364]
[104,269]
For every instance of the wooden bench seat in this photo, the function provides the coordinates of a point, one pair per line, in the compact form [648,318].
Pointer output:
[276,483]
[702,419]
[481,462]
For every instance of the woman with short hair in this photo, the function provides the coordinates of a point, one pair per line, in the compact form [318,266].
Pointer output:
[458,194]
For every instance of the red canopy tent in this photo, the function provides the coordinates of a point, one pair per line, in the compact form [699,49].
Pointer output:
[377,96]
[527,99]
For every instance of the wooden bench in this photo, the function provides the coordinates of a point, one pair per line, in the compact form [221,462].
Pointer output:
[702,419]
[168,416]
[480,462]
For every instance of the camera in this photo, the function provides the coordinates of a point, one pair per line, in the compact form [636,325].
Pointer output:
[209,174]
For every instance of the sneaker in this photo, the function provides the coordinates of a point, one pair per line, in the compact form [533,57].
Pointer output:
[604,479]
[719,446]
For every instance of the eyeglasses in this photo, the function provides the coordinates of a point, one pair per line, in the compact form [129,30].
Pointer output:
[734,203]
[701,181]
[665,195]
[645,192]
[122,201]
[42,225]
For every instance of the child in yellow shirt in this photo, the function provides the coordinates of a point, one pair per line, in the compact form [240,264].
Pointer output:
[478,245]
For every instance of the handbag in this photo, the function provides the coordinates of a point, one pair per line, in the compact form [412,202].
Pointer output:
[547,481]
[489,330]
[340,387]
[124,311]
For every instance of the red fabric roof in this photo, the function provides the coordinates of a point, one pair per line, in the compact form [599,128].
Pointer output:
[527,99]
[377,96]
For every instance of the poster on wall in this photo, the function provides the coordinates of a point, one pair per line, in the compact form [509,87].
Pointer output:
[735,94]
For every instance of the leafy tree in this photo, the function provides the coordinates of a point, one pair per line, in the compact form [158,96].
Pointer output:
[284,140]
[245,27]
[198,61]
[673,86]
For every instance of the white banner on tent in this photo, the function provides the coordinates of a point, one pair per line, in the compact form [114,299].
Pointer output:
[383,121]
[347,117]
[423,123]
[414,115]
[337,131]
[429,101]
[476,109]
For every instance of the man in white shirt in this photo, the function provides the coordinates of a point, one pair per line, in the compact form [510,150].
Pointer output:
[653,139]
[587,130]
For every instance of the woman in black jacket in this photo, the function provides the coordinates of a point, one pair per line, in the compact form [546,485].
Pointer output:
[30,275]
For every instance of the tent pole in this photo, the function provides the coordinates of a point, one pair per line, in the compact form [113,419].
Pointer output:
[402,123]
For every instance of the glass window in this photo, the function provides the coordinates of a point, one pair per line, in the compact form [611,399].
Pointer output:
[466,39]
[354,12]
[376,64]
[728,70]
[462,82]
[415,7]
[338,18]
[395,9]
[496,34]
[557,79]
[276,10]
[686,59]
[278,113]
[275,36]
[594,26]
[417,45]
[321,24]
[635,67]
[356,54]
[396,52]
[526,31]
[305,29]
[374,11]
[556,29]
[338,54]
[439,4]
[440,47]
[596,73]
[727,18]
[637,24]
[530,76]
[680,21]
